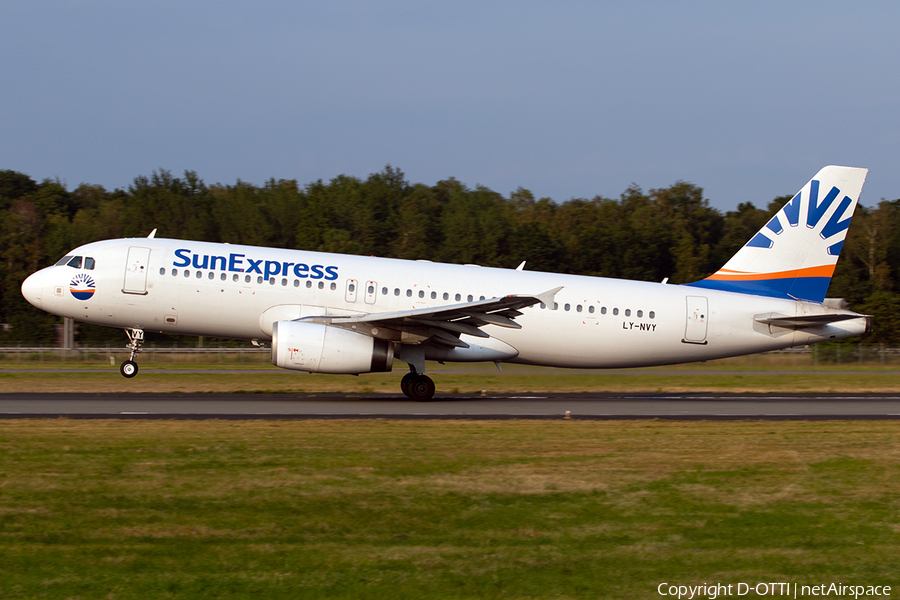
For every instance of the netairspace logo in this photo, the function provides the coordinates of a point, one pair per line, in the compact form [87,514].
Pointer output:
[791,590]
[82,286]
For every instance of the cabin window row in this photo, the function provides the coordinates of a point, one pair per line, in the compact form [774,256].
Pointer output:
[247,278]
[384,291]
[603,310]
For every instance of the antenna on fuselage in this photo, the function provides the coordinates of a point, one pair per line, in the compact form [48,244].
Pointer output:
[152,233]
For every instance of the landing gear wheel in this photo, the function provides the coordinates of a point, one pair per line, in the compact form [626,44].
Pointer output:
[128,368]
[420,388]
[404,383]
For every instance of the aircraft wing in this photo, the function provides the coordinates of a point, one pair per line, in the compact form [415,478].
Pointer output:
[441,324]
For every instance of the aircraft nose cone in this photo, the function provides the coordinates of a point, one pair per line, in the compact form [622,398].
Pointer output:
[32,288]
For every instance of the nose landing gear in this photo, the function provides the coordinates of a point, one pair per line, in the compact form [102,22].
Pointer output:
[129,368]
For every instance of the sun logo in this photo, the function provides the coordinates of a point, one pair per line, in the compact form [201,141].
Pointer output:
[82,286]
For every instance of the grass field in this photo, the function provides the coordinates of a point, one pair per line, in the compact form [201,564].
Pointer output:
[385,509]
[720,376]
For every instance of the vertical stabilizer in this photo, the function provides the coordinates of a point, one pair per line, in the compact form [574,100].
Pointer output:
[794,254]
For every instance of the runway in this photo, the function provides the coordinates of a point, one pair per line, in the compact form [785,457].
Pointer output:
[588,406]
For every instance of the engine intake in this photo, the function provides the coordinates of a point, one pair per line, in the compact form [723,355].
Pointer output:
[317,348]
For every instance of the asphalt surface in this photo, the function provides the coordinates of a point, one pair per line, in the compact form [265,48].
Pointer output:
[455,406]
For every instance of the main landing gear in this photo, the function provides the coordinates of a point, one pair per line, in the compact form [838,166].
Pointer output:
[417,386]
[129,368]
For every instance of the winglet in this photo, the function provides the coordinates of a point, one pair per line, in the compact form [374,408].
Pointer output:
[548,296]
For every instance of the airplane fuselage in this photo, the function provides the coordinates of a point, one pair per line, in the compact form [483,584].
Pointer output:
[234,291]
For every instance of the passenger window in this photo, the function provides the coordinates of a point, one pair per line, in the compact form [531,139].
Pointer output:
[627,312]
[371,289]
[162,270]
[234,277]
[284,282]
[652,315]
[640,313]
[567,307]
[259,279]
[602,310]
[199,274]
[446,296]
[421,293]
[223,276]
[174,272]
[89,263]
[308,283]
[555,306]
[212,275]
[75,263]
[578,308]
[271,281]
[433,295]
[333,286]
[409,293]
[396,291]
[351,288]
[481,298]
[296,283]
[615,311]
[321,285]
[458,297]
[63,260]
[591,309]
[187,272]
[246,279]
[543,305]
[384,291]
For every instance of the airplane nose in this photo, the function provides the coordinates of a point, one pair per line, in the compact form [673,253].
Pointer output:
[32,288]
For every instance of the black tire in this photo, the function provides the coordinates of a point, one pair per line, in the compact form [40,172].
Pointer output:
[420,388]
[404,383]
[128,369]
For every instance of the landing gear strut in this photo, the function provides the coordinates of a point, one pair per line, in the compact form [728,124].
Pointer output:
[417,386]
[129,368]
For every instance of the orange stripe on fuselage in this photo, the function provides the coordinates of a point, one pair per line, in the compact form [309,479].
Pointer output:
[728,275]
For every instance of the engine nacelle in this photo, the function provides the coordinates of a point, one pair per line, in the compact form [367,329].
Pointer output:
[317,348]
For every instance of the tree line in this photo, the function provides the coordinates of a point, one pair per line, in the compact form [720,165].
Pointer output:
[669,232]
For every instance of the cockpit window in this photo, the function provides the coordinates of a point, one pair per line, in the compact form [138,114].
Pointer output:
[63,260]
[89,263]
[75,263]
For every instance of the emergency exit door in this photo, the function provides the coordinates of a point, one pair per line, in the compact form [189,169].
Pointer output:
[136,268]
[697,318]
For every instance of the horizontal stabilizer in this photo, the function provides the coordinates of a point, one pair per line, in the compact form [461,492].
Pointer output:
[805,321]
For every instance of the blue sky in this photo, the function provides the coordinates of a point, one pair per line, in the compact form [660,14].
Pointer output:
[567,99]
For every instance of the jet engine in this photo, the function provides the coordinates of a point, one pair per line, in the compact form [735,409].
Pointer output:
[317,348]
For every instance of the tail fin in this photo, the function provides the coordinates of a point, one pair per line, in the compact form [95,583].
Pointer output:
[794,254]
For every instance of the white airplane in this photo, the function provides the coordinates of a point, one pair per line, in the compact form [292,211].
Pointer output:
[335,313]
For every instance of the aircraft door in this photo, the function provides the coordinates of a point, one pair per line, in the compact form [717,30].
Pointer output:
[697,317]
[352,286]
[371,288]
[136,268]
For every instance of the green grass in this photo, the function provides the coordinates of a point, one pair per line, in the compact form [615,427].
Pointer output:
[384,509]
[466,379]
